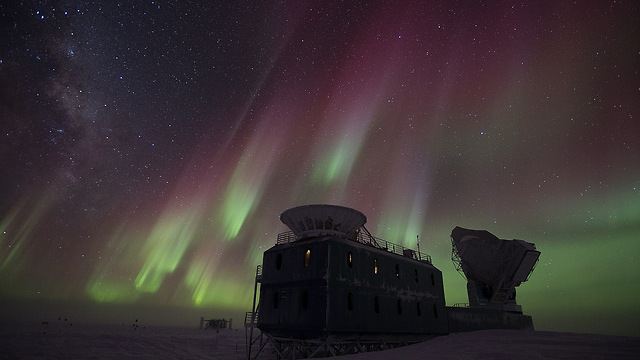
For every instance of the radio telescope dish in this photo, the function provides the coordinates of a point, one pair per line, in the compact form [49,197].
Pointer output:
[493,267]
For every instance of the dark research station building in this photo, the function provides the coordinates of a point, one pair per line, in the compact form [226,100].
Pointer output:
[329,282]
[339,281]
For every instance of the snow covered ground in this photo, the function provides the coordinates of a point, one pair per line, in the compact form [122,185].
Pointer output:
[125,341]
[134,341]
[513,344]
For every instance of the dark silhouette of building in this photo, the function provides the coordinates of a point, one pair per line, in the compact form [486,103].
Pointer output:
[329,287]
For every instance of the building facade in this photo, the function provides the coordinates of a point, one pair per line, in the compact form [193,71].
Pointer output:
[346,286]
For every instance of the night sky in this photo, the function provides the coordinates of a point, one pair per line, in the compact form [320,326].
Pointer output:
[148,148]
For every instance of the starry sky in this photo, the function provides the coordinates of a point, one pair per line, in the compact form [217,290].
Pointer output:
[148,148]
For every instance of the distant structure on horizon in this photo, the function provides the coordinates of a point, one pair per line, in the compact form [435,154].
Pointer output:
[329,287]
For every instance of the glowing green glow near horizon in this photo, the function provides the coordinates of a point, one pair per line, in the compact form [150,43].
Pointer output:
[209,290]
[225,293]
[581,276]
[164,248]
[112,292]
[195,279]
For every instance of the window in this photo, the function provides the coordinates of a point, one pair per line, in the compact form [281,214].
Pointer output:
[375,266]
[350,301]
[279,262]
[415,272]
[376,305]
[305,300]
[307,255]
[397,271]
[349,259]
[276,296]
[435,311]
[399,307]
[433,280]
[418,309]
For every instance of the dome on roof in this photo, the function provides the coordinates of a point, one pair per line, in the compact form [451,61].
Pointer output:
[315,220]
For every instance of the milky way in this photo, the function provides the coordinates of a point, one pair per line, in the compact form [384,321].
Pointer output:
[148,149]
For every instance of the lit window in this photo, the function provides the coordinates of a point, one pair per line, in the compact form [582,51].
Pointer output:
[375,266]
[349,259]
[306,258]
[397,271]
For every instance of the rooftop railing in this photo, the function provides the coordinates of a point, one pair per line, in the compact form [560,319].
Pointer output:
[364,237]
[250,319]
[286,237]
